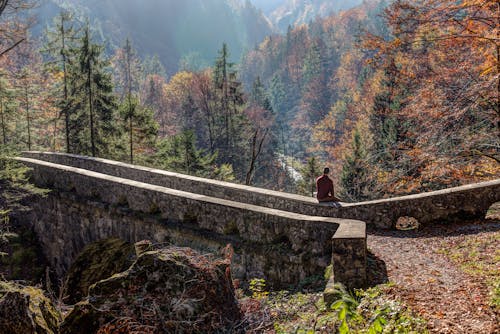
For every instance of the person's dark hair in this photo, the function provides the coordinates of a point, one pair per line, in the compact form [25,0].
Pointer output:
[326,170]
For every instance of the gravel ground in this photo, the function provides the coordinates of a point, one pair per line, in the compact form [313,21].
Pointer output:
[433,272]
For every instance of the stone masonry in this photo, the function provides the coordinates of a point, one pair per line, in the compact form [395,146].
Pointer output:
[283,247]
[467,201]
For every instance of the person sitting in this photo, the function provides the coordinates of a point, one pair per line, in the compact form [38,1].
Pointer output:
[324,186]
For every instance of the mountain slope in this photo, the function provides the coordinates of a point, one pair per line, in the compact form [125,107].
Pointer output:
[190,30]
[296,12]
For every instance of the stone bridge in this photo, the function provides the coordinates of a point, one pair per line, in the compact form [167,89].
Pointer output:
[281,237]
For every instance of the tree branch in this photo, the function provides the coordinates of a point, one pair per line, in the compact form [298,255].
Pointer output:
[11,47]
[3,4]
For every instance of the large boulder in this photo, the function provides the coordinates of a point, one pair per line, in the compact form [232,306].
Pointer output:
[26,310]
[96,262]
[172,290]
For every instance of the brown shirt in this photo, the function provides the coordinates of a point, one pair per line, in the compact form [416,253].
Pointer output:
[324,186]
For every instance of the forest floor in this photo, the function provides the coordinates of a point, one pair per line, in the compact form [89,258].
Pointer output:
[447,274]
[442,278]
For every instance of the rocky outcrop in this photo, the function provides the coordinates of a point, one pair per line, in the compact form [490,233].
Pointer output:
[172,290]
[96,262]
[26,310]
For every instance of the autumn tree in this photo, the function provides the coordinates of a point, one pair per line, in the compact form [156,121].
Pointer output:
[12,27]
[203,96]
[261,130]
[447,55]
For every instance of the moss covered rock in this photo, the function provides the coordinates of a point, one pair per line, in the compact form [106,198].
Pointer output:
[96,262]
[168,290]
[26,310]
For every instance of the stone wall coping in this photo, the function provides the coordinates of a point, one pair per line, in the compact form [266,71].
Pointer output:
[441,192]
[282,195]
[350,228]
[187,177]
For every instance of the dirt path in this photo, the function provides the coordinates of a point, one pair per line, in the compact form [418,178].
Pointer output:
[433,272]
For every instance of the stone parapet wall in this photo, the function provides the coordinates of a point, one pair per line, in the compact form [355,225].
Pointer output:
[283,247]
[460,202]
[213,188]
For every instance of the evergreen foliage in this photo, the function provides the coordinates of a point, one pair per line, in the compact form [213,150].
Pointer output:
[60,48]
[138,120]
[310,171]
[92,102]
[180,154]
[7,107]
[355,179]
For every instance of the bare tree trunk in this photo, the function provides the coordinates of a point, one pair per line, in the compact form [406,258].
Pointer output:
[28,118]
[54,135]
[3,4]
[65,74]
[256,150]
[91,107]
[4,134]
[130,107]
[498,68]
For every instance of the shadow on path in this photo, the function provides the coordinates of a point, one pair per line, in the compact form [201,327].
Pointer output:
[376,270]
[441,229]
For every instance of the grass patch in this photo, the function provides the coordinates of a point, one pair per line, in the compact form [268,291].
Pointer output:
[362,311]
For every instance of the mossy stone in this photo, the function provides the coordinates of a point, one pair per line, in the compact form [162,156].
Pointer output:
[25,309]
[96,262]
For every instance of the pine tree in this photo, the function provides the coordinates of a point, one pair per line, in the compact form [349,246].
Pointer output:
[179,153]
[60,46]
[309,172]
[28,88]
[386,126]
[7,106]
[230,101]
[92,102]
[315,96]
[153,66]
[142,127]
[355,179]
[140,124]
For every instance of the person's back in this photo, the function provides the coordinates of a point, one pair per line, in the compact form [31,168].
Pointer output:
[324,186]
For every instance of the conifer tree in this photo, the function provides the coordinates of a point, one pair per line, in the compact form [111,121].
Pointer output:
[354,179]
[141,127]
[179,153]
[60,46]
[153,66]
[7,106]
[229,101]
[309,172]
[383,120]
[27,86]
[93,105]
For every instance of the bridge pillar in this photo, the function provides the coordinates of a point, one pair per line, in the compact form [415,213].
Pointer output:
[349,253]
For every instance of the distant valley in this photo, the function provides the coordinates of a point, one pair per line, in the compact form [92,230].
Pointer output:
[187,34]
